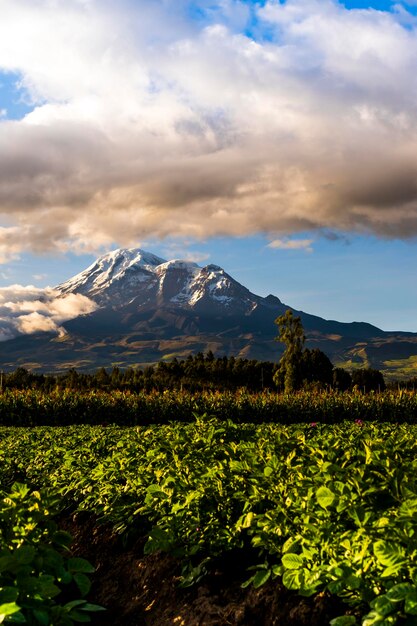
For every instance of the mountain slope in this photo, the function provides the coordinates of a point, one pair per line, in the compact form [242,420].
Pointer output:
[134,277]
[150,308]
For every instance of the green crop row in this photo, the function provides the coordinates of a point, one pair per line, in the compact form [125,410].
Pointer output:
[65,407]
[36,568]
[325,508]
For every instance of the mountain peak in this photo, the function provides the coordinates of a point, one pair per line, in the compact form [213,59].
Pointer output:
[129,256]
[178,264]
[140,280]
[111,268]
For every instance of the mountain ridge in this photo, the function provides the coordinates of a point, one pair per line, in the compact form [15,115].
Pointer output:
[149,309]
[124,275]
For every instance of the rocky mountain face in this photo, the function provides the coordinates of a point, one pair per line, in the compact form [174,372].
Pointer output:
[140,281]
[150,309]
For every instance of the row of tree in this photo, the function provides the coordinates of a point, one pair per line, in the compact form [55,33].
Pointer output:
[193,373]
[201,372]
[298,368]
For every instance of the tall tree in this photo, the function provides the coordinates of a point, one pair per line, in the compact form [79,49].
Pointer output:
[290,368]
[316,367]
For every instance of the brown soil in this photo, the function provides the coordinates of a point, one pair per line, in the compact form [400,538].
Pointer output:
[140,590]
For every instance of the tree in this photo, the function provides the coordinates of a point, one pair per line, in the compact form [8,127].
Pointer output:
[342,380]
[368,379]
[316,367]
[291,333]
[102,379]
[19,379]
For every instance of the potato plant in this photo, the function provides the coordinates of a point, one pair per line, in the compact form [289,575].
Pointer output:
[327,508]
[36,567]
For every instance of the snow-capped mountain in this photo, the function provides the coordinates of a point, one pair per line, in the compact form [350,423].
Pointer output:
[148,309]
[139,279]
[114,275]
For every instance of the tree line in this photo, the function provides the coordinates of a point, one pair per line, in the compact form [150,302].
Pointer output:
[298,368]
[198,373]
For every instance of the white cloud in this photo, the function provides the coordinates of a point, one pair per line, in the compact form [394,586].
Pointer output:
[195,257]
[292,244]
[35,322]
[148,124]
[179,250]
[28,309]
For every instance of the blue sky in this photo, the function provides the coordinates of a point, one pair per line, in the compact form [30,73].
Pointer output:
[274,139]
[13,99]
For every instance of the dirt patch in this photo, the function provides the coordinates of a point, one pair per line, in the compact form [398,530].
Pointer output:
[142,590]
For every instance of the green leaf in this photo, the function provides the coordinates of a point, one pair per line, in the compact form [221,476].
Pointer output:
[353,582]
[8,608]
[290,545]
[16,618]
[410,605]
[358,514]
[64,576]
[292,561]
[77,616]
[293,579]
[77,564]
[261,577]
[20,489]
[387,553]
[247,520]
[71,605]
[382,605]
[6,563]
[92,608]
[371,619]
[247,582]
[343,620]
[277,570]
[62,538]
[8,594]
[392,570]
[399,592]
[268,471]
[48,589]
[83,583]
[335,587]
[25,555]
[325,497]
[42,617]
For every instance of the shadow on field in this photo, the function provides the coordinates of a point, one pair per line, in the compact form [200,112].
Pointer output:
[140,590]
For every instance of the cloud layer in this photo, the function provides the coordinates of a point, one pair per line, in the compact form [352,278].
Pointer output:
[155,119]
[27,310]
[292,244]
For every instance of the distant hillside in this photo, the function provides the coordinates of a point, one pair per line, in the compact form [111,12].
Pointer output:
[151,309]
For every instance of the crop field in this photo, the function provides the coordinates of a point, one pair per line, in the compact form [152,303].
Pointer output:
[65,407]
[322,509]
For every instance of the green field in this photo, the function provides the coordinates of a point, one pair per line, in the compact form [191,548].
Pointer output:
[327,508]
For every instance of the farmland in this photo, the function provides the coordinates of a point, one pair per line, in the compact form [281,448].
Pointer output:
[326,510]
[68,407]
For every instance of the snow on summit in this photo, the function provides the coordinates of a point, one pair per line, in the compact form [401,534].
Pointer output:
[135,277]
[109,268]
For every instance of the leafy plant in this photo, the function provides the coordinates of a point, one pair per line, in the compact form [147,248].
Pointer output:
[37,575]
[327,508]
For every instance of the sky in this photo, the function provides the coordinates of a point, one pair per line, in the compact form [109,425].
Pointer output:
[276,139]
